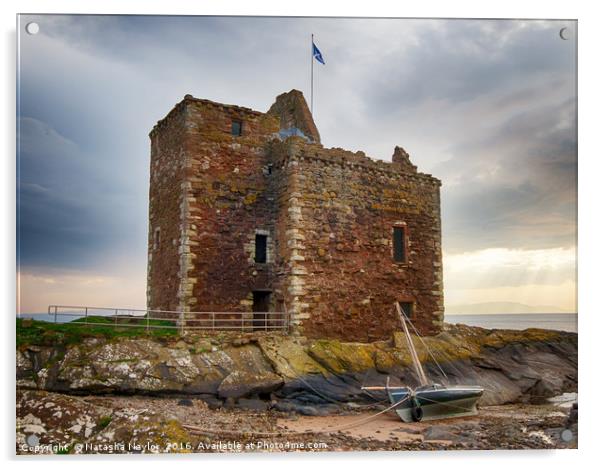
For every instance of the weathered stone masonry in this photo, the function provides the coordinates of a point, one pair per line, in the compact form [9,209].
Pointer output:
[328,214]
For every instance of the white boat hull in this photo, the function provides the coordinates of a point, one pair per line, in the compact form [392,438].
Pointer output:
[435,402]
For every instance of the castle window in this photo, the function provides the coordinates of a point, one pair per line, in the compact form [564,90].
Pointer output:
[261,248]
[407,308]
[399,244]
[157,239]
[236,128]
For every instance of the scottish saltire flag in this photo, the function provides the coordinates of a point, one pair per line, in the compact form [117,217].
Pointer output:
[318,54]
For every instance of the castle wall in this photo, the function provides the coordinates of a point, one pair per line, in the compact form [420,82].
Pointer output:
[231,199]
[343,277]
[166,197]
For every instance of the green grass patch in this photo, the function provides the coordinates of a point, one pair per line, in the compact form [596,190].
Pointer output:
[104,422]
[65,450]
[32,332]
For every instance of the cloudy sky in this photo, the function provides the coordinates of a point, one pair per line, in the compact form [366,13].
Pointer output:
[487,106]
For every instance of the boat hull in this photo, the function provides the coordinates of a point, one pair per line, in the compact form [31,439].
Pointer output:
[435,402]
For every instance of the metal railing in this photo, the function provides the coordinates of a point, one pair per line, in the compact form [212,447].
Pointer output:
[244,321]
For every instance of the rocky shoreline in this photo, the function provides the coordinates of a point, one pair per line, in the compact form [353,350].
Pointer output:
[296,374]
[254,377]
[142,424]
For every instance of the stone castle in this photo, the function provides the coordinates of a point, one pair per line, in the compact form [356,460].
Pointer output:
[249,212]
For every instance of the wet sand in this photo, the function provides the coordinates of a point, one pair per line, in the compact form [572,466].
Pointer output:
[385,427]
[389,428]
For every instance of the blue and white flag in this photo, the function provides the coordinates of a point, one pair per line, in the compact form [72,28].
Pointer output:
[318,54]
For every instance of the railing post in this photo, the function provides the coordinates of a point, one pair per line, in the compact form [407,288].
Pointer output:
[86,315]
[55,312]
[147,322]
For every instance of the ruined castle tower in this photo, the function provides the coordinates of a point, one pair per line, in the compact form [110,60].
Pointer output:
[249,212]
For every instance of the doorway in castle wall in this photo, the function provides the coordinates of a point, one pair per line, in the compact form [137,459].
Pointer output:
[261,306]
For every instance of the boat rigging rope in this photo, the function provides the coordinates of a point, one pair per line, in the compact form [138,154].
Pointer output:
[346,426]
[372,417]
[424,343]
[449,360]
[330,399]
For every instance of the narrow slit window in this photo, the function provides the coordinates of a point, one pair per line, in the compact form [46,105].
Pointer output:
[157,239]
[261,248]
[236,128]
[399,244]
[408,309]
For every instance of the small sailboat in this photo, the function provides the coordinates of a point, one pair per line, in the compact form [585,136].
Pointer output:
[429,401]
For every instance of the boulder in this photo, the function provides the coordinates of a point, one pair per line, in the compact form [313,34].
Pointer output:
[439,433]
[241,383]
[253,404]
[573,415]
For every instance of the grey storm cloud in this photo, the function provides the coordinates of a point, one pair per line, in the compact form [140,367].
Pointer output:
[487,106]
[461,60]
[70,209]
[499,99]
[516,186]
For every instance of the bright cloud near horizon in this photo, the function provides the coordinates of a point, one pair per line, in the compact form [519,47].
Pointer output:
[487,106]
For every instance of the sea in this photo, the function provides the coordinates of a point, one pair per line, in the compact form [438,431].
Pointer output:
[517,321]
[46,317]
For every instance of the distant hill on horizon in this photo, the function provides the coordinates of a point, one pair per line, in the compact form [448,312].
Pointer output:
[502,307]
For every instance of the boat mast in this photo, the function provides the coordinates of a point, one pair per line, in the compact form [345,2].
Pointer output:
[413,354]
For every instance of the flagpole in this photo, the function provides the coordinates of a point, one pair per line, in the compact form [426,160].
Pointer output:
[311,58]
